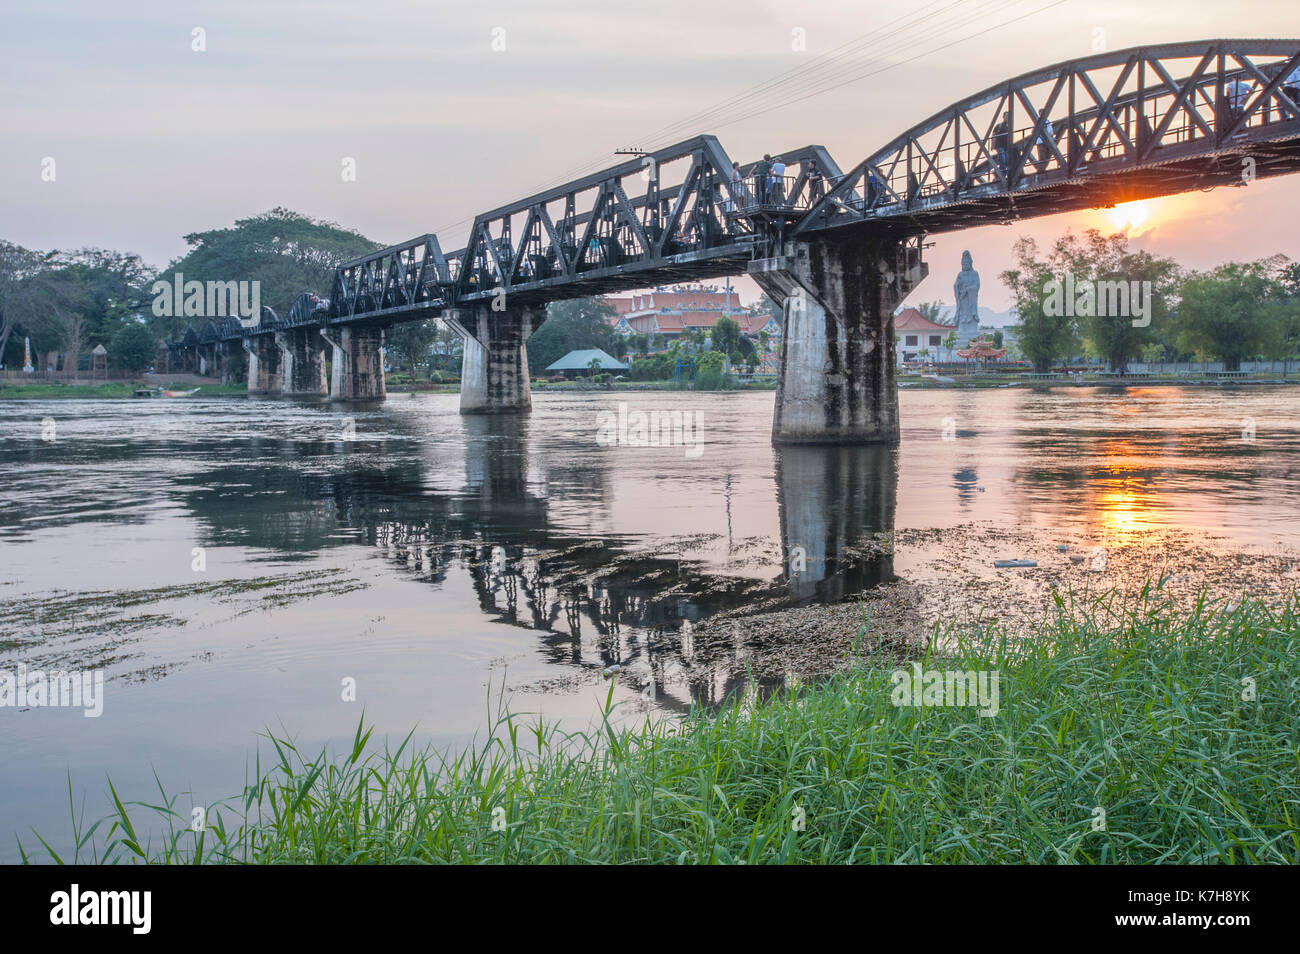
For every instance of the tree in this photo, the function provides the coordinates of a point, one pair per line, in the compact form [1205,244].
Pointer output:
[288,253]
[1043,339]
[411,341]
[709,372]
[1099,273]
[1285,306]
[574,325]
[726,336]
[998,338]
[1106,262]
[1226,312]
[930,310]
[133,346]
[447,347]
[63,305]
[17,266]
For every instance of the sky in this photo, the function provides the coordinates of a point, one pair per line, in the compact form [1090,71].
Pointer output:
[450,109]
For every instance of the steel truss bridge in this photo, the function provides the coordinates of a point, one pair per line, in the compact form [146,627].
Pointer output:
[1091,132]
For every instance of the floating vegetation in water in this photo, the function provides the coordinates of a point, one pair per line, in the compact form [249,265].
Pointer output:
[94,628]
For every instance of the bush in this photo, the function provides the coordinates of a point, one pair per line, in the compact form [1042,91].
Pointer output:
[658,367]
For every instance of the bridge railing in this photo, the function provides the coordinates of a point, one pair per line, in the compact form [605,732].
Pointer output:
[776,194]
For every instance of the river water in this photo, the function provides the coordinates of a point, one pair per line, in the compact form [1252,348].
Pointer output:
[233,565]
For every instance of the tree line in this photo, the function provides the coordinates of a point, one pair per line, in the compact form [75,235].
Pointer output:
[71,301]
[1238,311]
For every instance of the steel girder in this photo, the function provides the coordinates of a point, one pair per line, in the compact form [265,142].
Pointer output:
[1167,122]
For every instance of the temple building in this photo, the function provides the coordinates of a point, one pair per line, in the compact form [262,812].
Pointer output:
[915,333]
[666,314]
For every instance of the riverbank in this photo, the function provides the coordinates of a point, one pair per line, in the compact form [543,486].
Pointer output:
[109,390]
[1167,738]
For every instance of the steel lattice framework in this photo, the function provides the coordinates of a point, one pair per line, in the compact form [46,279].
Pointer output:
[1110,128]
[1092,132]
[672,215]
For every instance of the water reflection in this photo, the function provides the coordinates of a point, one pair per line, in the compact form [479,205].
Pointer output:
[578,591]
[833,502]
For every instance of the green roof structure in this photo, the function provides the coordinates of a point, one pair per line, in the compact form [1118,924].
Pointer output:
[581,361]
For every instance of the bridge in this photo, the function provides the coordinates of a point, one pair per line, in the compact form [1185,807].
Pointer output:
[840,250]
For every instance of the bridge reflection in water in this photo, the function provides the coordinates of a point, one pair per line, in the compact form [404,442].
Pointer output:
[576,591]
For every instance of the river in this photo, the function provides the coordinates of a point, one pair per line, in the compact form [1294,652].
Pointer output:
[236,564]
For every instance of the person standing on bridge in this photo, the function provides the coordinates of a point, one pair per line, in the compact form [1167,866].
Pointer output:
[1002,144]
[762,172]
[736,186]
[1235,93]
[816,182]
[777,189]
[1041,153]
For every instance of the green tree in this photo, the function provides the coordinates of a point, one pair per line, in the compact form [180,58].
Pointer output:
[709,373]
[1285,307]
[573,325]
[288,253]
[1106,261]
[133,346]
[1229,313]
[411,341]
[1043,339]
[726,336]
[17,267]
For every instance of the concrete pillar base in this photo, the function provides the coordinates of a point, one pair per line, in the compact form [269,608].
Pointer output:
[837,382]
[303,372]
[263,365]
[494,371]
[357,372]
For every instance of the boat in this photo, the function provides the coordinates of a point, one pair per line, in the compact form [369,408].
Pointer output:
[163,392]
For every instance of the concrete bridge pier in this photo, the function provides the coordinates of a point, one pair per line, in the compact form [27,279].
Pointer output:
[357,369]
[494,370]
[286,362]
[263,365]
[230,361]
[837,383]
[303,362]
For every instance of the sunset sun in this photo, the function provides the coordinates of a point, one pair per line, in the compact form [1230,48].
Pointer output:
[1131,217]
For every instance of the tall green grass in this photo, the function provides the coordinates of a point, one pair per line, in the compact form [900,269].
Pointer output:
[1148,720]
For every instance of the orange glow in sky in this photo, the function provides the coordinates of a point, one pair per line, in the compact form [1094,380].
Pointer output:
[1130,217]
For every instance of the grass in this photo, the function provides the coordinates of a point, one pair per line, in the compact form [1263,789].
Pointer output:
[110,389]
[1151,722]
